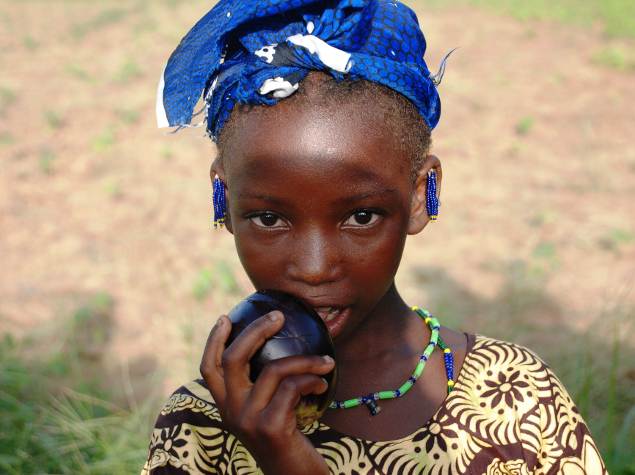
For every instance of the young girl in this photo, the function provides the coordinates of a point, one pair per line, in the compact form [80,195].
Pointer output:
[322,112]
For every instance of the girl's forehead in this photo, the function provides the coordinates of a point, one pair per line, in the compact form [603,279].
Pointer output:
[324,125]
[301,144]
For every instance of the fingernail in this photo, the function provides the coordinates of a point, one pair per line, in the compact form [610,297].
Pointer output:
[274,316]
[325,381]
[219,322]
[327,359]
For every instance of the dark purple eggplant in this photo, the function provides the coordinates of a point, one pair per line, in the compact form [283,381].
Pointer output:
[303,333]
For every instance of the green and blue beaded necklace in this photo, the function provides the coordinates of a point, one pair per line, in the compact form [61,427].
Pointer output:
[435,340]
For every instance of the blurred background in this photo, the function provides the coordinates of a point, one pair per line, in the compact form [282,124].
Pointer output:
[111,274]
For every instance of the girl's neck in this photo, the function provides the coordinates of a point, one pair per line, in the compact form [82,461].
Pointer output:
[386,329]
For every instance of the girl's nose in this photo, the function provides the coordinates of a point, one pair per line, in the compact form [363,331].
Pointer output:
[315,263]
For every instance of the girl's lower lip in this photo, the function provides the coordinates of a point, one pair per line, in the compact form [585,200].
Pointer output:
[336,323]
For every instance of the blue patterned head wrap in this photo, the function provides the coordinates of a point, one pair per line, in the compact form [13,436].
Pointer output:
[257,51]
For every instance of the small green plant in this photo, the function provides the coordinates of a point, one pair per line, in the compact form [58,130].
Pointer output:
[166,153]
[128,116]
[46,160]
[545,255]
[103,142]
[129,72]
[543,217]
[525,125]
[6,139]
[202,285]
[30,43]
[616,238]
[112,188]
[53,119]
[220,277]
[79,72]
[613,57]
[7,98]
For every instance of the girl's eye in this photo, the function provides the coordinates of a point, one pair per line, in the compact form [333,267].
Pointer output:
[267,220]
[362,218]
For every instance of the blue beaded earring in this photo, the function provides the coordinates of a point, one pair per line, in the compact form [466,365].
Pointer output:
[432,201]
[220,206]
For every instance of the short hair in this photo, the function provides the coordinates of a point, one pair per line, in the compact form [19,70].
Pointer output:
[402,115]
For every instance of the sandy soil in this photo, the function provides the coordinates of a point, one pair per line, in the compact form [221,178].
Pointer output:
[94,198]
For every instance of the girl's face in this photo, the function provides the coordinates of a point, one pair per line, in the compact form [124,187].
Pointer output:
[320,203]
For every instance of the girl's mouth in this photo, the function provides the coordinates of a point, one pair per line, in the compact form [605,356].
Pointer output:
[334,317]
[328,313]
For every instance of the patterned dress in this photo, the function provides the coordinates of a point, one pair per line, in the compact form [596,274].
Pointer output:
[508,414]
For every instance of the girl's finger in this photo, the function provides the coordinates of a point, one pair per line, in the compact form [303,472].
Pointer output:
[288,395]
[211,364]
[275,371]
[236,358]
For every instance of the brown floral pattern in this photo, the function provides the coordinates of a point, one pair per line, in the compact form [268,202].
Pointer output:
[508,415]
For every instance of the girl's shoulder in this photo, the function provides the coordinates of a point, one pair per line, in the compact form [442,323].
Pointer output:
[188,430]
[508,413]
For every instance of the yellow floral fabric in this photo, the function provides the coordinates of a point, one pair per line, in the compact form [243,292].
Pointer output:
[507,415]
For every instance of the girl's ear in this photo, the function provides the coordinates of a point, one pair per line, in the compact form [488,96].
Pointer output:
[218,169]
[419,214]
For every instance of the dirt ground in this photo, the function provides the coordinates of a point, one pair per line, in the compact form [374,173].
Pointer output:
[536,142]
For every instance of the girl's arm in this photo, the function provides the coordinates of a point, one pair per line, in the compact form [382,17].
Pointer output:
[261,415]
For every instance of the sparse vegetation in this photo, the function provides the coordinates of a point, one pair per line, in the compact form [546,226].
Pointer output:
[46,160]
[128,116]
[615,239]
[103,142]
[166,153]
[103,19]
[7,98]
[6,139]
[30,43]
[53,119]
[616,16]
[112,188]
[129,72]
[57,414]
[614,57]
[79,72]
[525,125]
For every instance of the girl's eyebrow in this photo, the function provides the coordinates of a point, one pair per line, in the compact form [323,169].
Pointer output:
[260,196]
[364,195]
[339,201]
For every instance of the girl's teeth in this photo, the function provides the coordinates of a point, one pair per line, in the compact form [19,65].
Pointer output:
[333,314]
[322,309]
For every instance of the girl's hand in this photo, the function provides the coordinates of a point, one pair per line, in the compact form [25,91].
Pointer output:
[261,415]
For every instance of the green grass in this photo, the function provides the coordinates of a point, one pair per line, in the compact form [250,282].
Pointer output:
[525,125]
[103,19]
[30,43]
[47,160]
[79,72]
[128,72]
[57,417]
[7,98]
[53,119]
[616,16]
[615,58]
[6,139]
[128,116]
[103,142]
